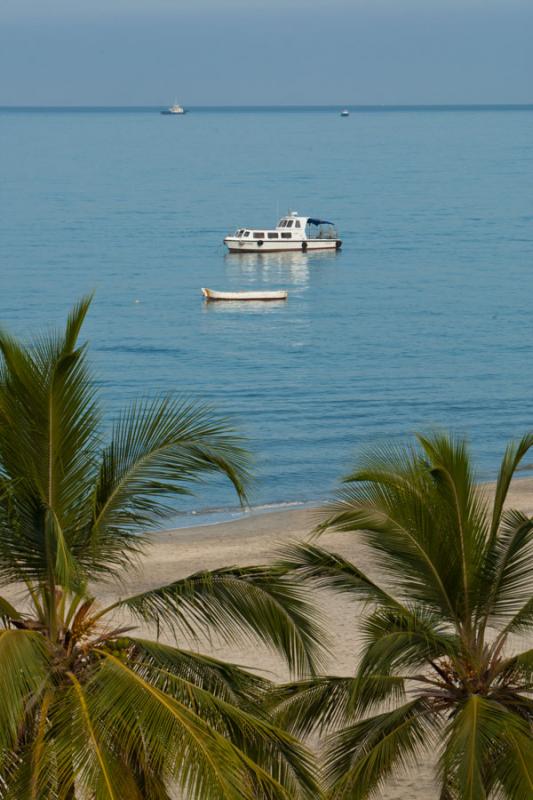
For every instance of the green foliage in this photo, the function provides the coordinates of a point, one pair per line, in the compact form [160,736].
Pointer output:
[88,712]
[456,581]
[235,601]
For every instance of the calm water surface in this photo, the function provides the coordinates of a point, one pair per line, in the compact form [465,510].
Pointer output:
[423,320]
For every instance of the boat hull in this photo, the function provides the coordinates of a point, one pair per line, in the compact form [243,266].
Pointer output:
[235,245]
[211,295]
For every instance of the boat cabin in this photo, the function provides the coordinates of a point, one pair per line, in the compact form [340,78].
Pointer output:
[292,227]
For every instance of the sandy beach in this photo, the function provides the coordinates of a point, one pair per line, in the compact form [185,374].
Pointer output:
[253,540]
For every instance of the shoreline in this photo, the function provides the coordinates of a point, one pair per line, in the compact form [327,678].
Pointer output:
[521,492]
[255,539]
[175,553]
[218,516]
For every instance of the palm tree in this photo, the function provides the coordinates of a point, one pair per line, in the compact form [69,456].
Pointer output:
[88,710]
[440,668]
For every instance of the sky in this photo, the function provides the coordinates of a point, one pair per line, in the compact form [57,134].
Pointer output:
[265,52]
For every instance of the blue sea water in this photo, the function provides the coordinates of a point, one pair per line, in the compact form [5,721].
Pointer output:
[422,321]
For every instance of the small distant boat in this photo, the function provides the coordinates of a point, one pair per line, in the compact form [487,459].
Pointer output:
[345,112]
[209,294]
[175,109]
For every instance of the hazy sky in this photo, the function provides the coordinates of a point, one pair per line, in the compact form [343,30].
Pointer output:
[220,52]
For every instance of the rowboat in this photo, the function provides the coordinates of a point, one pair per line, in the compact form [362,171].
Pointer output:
[209,294]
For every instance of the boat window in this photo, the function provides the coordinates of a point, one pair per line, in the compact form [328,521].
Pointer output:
[259,235]
[246,233]
[297,224]
[272,235]
[289,223]
[286,235]
[281,223]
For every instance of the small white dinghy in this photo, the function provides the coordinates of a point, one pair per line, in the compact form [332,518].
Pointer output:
[209,294]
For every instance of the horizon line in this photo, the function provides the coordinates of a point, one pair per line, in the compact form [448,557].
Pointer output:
[267,105]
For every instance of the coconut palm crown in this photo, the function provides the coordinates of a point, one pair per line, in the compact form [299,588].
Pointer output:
[449,607]
[88,709]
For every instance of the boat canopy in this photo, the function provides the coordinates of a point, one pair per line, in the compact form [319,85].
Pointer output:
[312,221]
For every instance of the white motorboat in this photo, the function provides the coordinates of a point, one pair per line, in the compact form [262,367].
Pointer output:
[209,294]
[175,109]
[345,113]
[292,232]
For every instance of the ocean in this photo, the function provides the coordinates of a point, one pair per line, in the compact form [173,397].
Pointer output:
[421,322]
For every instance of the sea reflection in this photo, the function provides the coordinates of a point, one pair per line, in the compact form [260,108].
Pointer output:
[252,306]
[278,268]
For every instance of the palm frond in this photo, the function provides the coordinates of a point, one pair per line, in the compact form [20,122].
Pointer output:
[312,704]
[25,769]
[185,741]
[520,622]
[485,746]
[24,668]
[359,758]
[514,454]
[235,602]
[398,467]
[397,641]
[75,321]
[180,745]
[158,450]
[7,611]
[402,528]
[510,575]
[244,723]
[48,444]
[85,760]
[324,569]
[516,670]
[47,391]
[463,508]
[326,702]
[94,766]
[224,680]
[514,771]
[40,773]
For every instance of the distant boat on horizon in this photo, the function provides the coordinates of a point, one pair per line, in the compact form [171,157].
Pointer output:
[176,109]
[345,112]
